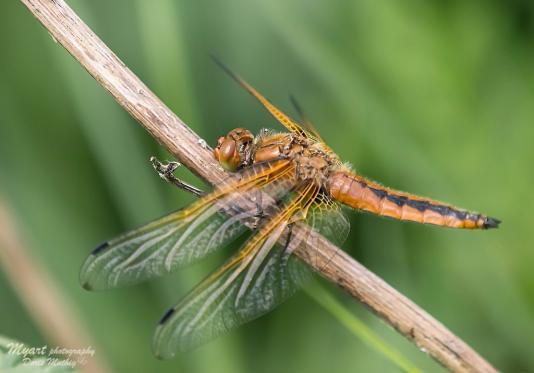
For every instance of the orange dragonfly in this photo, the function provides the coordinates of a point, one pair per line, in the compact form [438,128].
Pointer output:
[280,179]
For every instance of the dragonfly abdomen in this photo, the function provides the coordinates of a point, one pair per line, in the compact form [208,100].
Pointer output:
[362,194]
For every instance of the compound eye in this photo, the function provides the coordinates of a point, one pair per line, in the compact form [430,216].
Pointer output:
[216,150]
[227,154]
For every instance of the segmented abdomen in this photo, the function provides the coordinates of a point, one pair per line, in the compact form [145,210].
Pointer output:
[360,193]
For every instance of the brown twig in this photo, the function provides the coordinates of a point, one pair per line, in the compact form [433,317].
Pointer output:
[397,310]
[41,295]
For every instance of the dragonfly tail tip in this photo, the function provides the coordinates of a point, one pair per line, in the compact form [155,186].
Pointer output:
[491,223]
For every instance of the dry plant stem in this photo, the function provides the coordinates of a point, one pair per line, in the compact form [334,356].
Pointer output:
[398,311]
[42,296]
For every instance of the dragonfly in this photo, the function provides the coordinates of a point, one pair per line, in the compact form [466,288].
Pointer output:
[278,179]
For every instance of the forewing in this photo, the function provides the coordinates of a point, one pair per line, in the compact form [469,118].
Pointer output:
[285,120]
[183,237]
[160,247]
[304,120]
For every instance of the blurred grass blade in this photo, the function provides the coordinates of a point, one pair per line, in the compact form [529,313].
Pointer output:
[49,305]
[163,30]
[113,141]
[358,99]
[358,328]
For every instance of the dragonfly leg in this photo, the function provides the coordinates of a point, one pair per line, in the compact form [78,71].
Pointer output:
[289,235]
[165,171]
[259,214]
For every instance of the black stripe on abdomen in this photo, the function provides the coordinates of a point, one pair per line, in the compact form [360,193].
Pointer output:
[420,205]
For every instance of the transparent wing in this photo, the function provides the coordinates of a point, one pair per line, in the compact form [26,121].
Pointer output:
[184,236]
[325,217]
[285,120]
[161,246]
[256,280]
[304,120]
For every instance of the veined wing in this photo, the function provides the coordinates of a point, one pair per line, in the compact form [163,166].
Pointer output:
[187,235]
[285,120]
[304,120]
[326,218]
[253,282]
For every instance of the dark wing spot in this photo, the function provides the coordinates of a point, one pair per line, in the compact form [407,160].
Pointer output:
[379,193]
[99,248]
[86,286]
[166,316]
[398,200]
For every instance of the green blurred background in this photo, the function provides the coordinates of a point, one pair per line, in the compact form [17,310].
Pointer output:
[433,97]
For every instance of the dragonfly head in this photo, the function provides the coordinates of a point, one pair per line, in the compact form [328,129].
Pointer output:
[234,150]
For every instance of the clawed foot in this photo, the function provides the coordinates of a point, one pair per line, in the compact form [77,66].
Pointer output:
[166,170]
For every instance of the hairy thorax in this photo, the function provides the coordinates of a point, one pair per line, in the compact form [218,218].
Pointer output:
[312,159]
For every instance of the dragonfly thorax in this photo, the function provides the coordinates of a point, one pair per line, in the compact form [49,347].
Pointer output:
[312,161]
[315,168]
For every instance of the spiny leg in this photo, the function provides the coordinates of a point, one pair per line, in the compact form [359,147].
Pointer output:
[165,171]
[289,235]
[260,214]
